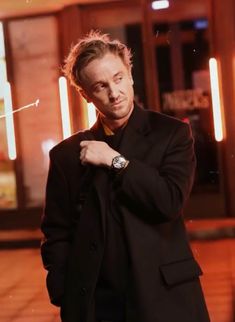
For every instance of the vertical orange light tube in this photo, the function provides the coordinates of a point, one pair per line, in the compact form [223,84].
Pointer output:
[216,100]
[11,144]
[64,107]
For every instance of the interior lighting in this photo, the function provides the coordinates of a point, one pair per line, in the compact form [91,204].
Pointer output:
[11,144]
[64,107]
[216,100]
[160,4]
[91,111]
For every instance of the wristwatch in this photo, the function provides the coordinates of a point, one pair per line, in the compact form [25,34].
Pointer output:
[119,163]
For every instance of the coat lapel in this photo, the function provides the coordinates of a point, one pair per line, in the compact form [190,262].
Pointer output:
[100,181]
[135,139]
[133,145]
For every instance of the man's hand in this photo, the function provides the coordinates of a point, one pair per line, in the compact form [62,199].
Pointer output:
[97,153]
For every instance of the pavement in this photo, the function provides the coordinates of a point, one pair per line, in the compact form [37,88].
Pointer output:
[23,295]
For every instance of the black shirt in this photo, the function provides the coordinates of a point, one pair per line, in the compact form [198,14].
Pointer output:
[111,285]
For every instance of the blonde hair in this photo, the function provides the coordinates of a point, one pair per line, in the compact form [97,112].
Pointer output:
[94,45]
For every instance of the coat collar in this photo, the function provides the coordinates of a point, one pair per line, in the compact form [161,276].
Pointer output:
[134,143]
[136,130]
[138,121]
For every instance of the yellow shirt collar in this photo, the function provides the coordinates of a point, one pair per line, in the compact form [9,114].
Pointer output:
[107,130]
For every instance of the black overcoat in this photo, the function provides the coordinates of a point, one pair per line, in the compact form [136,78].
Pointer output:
[149,196]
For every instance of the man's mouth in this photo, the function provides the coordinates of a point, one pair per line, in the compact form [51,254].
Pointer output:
[117,103]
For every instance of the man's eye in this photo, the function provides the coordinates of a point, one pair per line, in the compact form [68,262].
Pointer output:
[118,79]
[99,87]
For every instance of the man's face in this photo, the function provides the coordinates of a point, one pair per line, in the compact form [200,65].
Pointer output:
[108,84]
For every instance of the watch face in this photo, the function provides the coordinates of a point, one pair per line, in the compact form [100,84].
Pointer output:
[119,162]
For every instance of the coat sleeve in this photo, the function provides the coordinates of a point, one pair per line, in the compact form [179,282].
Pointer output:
[56,229]
[160,191]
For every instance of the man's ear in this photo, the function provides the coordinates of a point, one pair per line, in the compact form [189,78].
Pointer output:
[131,78]
[84,95]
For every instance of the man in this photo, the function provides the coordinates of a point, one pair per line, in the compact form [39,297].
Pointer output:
[115,244]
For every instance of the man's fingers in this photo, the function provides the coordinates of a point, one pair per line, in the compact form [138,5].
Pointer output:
[94,152]
[82,157]
[82,153]
[84,143]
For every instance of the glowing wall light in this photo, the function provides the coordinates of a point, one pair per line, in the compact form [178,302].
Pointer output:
[2,46]
[3,77]
[47,145]
[9,122]
[64,107]
[160,4]
[216,105]
[91,111]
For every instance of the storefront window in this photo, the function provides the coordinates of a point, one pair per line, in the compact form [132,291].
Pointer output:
[182,53]
[7,174]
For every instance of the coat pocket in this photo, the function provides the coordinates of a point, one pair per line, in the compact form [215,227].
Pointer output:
[180,272]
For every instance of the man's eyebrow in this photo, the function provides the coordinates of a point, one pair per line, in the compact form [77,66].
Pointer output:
[118,73]
[103,82]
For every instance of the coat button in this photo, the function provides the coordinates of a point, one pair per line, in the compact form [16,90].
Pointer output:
[83,291]
[93,246]
[79,207]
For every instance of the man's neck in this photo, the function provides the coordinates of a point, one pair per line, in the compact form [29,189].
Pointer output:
[114,125]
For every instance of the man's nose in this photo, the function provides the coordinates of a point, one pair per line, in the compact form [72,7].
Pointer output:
[113,92]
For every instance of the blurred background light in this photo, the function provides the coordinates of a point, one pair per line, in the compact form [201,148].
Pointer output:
[2,47]
[9,122]
[201,24]
[3,72]
[91,112]
[216,100]
[160,4]
[47,145]
[64,106]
